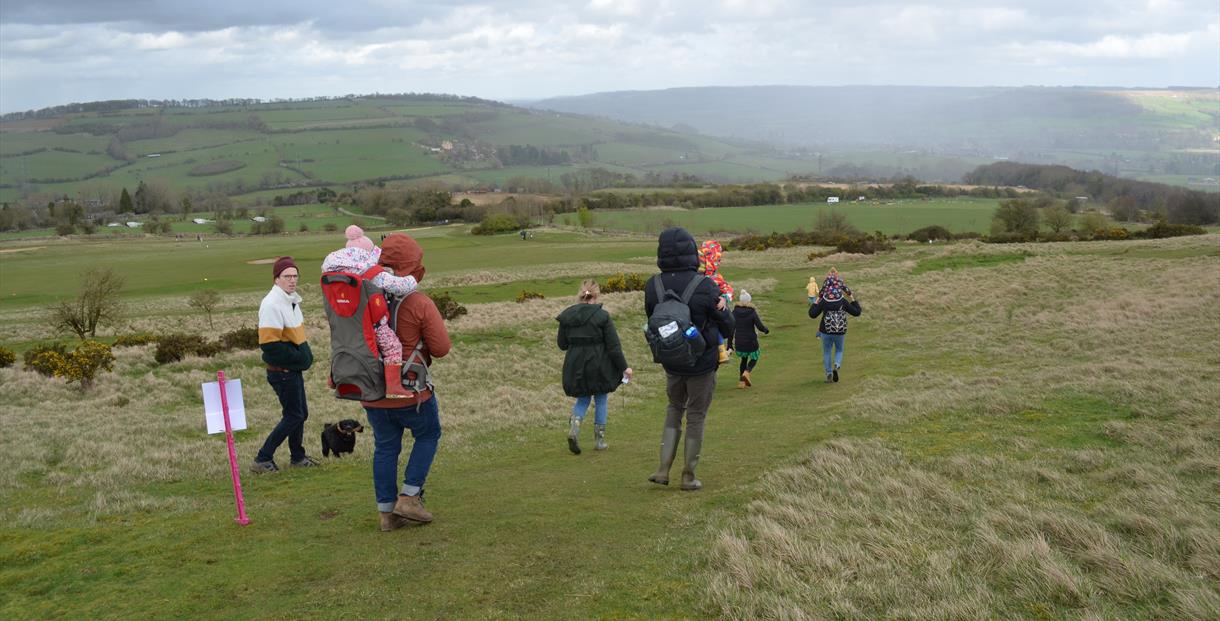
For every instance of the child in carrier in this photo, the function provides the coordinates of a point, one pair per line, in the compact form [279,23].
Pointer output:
[358,257]
[709,262]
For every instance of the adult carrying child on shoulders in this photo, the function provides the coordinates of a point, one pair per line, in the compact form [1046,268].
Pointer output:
[834,303]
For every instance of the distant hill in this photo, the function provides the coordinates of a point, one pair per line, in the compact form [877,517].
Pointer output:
[240,148]
[1161,135]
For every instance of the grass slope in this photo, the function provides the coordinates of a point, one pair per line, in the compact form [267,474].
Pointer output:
[993,451]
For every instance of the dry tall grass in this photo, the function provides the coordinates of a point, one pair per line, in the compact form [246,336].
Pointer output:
[949,524]
[143,423]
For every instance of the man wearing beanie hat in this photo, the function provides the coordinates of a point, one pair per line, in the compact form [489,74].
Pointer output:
[281,336]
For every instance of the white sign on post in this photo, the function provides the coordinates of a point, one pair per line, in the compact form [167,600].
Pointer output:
[212,411]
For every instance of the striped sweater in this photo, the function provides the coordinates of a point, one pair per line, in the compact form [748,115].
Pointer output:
[281,331]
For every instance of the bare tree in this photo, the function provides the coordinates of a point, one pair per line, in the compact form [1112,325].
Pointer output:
[96,304]
[206,301]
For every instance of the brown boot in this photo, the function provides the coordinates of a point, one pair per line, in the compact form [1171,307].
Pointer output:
[393,383]
[745,377]
[412,508]
[741,383]
[390,522]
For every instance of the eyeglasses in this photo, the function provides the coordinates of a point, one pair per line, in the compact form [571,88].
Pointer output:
[290,276]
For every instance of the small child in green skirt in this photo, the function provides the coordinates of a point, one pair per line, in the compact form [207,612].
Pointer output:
[745,341]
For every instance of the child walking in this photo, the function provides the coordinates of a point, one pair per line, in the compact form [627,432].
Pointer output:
[834,304]
[745,341]
[710,253]
[594,365]
[812,289]
[359,256]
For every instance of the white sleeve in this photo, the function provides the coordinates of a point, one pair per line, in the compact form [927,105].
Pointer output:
[396,285]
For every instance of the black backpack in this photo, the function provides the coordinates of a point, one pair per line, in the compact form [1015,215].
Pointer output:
[674,341]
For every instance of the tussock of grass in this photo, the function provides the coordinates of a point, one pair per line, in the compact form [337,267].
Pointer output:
[994,495]
[857,531]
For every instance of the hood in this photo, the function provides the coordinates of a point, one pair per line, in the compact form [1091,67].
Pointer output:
[401,253]
[577,314]
[676,251]
[709,256]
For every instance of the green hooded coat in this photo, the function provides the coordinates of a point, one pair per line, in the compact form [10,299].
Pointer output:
[594,363]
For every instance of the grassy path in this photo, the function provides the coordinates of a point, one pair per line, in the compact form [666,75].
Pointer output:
[523,527]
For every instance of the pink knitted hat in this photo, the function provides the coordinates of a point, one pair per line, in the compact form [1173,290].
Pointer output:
[357,239]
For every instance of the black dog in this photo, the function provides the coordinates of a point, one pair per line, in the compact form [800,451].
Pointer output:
[340,437]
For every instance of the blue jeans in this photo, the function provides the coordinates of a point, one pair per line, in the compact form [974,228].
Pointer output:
[289,386]
[832,341]
[424,421]
[599,408]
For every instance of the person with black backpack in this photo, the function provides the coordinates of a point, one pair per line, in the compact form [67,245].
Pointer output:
[834,303]
[686,319]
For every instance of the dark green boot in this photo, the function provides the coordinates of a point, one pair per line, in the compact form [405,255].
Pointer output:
[691,456]
[669,450]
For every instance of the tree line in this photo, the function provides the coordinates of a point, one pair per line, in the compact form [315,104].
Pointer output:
[1128,199]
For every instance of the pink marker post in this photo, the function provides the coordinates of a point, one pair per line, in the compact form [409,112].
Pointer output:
[224,408]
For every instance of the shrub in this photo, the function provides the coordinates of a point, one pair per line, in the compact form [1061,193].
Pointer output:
[49,363]
[497,223]
[834,224]
[133,340]
[84,363]
[1163,229]
[529,295]
[241,338]
[815,255]
[7,357]
[448,307]
[175,347]
[865,244]
[44,358]
[330,227]
[304,228]
[210,348]
[623,282]
[929,233]
[1008,238]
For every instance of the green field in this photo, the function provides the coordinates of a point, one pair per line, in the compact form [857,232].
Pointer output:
[899,216]
[337,142]
[984,456]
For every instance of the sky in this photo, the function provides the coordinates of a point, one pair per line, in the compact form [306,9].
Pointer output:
[55,52]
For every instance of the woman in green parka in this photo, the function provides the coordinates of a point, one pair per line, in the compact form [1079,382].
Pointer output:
[594,365]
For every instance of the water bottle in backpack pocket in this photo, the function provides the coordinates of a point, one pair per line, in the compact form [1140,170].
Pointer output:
[673,339]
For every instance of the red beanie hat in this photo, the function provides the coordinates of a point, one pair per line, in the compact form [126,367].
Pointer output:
[282,264]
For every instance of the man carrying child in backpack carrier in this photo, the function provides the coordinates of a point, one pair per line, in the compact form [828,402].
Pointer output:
[690,371]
